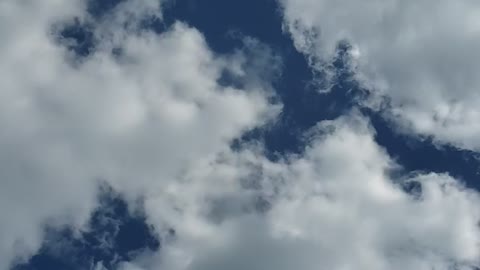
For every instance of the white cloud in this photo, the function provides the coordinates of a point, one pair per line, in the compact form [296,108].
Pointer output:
[154,122]
[334,207]
[137,120]
[420,54]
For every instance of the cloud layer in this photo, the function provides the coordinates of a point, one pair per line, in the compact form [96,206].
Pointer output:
[153,116]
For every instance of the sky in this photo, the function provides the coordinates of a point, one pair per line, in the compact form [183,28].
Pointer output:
[227,134]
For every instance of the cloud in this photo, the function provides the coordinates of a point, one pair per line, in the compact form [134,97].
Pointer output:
[150,115]
[418,55]
[137,119]
[336,206]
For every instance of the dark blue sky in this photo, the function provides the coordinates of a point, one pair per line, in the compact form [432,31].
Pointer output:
[128,233]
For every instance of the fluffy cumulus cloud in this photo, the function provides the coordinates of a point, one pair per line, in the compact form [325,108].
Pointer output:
[332,207]
[136,118]
[153,116]
[420,55]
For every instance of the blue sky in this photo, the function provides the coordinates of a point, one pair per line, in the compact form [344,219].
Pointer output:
[187,135]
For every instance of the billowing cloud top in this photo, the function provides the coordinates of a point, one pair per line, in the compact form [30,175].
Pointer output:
[151,115]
